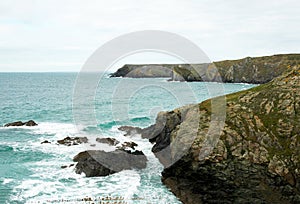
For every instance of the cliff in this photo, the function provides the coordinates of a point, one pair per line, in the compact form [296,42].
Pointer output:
[248,70]
[144,71]
[256,158]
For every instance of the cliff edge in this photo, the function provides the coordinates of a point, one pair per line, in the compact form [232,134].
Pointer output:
[256,158]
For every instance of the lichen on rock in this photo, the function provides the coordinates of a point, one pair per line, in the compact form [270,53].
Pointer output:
[256,159]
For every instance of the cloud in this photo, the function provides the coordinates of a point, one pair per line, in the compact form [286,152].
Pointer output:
[57,33]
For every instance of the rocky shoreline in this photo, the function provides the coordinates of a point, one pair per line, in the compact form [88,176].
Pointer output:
[256,70]
[253,158]
[256,158]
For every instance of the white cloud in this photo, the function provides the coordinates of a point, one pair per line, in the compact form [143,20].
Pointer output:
[64,33]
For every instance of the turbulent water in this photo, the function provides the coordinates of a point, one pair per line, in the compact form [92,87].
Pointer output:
[31,172]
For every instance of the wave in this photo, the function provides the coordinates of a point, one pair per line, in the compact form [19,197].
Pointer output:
[137,121]
[5,148]
[56,129]
[140,119]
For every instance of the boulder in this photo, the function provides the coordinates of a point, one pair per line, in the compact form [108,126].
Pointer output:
[30,123]
[130,145]
[108,140]
[46,142]
[68,141]
[100,163]
[20,123]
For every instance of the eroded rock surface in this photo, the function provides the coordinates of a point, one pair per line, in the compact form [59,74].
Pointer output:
[100,163]
[256,159]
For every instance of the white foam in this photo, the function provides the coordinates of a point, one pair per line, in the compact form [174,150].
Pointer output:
[60,129]
[49,182]
[6,181]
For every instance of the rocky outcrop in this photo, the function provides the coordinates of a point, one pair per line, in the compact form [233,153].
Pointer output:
[254,159]
[100,163]
[256,70]
[69,141]
[20,123]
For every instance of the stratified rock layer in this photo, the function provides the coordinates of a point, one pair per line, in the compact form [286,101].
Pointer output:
[256,159]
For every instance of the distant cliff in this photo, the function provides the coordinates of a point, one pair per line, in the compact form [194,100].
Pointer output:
[257,157]
[248,70]
[144,71]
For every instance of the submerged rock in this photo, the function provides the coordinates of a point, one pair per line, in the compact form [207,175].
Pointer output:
[100,163]
[46,142]
[256,158]
[68,141]
[20,123]
[31,123]
[129,130]
[130,145]
[108,140]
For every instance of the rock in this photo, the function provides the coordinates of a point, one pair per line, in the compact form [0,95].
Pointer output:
[108,140]
[31,123]
[20,123]
[46,142]
[256,158]
[129,130]
[130,145]
[66,166]
[68,141]
[100,163]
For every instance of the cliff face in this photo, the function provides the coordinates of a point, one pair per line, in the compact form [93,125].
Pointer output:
[256,158]
[248,70]
[143,71]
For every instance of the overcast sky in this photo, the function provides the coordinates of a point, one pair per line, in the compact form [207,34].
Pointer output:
[61,35]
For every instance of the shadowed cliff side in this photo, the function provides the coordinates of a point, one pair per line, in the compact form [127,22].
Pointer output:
[255,160]
[248,70]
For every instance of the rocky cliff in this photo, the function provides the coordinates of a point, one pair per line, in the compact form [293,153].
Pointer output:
[255,159]
[144,71]
[248,70]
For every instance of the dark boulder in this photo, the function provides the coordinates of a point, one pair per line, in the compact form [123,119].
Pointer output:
[20,123]
[127,145]
[100,163]
[30,123]
[68,141]
[46,142]
[108,140]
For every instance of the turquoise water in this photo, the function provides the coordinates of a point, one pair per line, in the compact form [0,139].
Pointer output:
[31,172]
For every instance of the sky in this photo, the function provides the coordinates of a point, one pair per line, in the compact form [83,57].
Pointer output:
[54,36]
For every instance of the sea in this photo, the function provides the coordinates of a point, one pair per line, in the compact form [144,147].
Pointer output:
[31,172]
